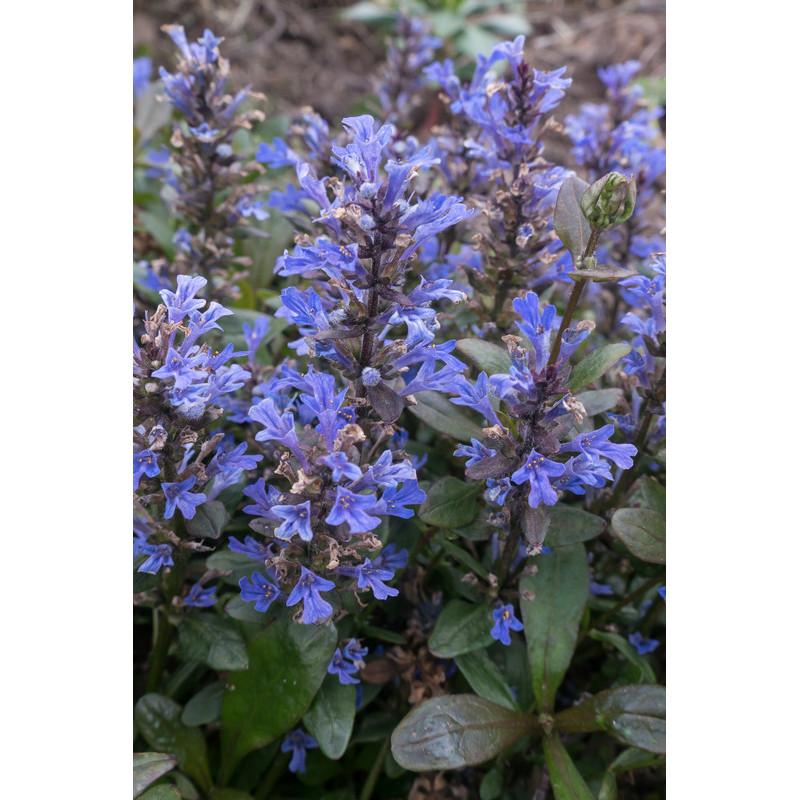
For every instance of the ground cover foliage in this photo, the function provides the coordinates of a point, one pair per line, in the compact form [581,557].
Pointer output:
[399,431]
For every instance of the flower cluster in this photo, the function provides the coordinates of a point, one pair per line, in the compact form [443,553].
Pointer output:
[178,382]
[493,153]
[208,183]
[323,521]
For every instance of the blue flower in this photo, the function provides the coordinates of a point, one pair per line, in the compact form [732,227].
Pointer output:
[354,510]
[389,559]
[142,67]
[504,622]
[258,589]
[307,589]
[199,597]
[298,742]
[254,336]
[178,494]
[476,453]
[144,463]
[476,397]
[251,548]
[160,555]
[595,445]
[182,301]
[663,593]
[340,466]
[537,469]
[296,519]
[394,500]
[354,652]
[344,669]
[372,577]
[641,644]
[263,502]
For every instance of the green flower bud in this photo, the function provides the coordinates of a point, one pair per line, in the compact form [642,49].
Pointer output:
[609,202]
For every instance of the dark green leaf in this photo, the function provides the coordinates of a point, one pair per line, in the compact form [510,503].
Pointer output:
[159,721]
[229,794]
[384,635]
[443,416]
[565,780]
[596,364]
[650,494]
[643,531]
[456,731]
[602,273]
[213,640]
[205,706]
[486,356]
[376,727]
[209,520]
[450,503]
[570,224]
[608,788]
[634,758]
[148,767]
[461,628]
[238,608]
[391,767]
[634,715]
[288,662]
[462,556]
[560,588]
[485,678]
[492,784]
[629,651]
[570,525]
[330,718]
[164,791]
[478,530]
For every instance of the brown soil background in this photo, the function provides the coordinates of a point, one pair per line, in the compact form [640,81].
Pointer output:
[300,53]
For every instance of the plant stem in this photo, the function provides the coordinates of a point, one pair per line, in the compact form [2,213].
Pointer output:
[172,585]
[374,773]
[277,769]
[574,297]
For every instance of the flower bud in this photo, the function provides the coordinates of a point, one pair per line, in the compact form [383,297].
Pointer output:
[609,202]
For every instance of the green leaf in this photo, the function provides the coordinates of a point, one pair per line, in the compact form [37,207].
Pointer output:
[509,25]
[158,226]
[159,721]
[370,13]
[164,791]
[209,520]
[205,706]
[486,356]
[565,780]
[650,494]
[485,678]
[643,531]
[456,731]
[596,364]
[240,609]
[229,794]
[461,628]
[492,784]
[629,651]
[608,788]
[330,718]
[560,588]
[450,503]
[570,224]
[149,114]
[213,640]
[479,530]
[595,401]
[634,715]
[570,525]
[288,663]
[384,635]
[462,556]
[602,273]
[149,767]
[634,758]
[443,416]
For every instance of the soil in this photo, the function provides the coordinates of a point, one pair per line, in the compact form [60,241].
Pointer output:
[300,53]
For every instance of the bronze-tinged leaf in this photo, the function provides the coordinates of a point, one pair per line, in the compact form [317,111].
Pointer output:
[456,731]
